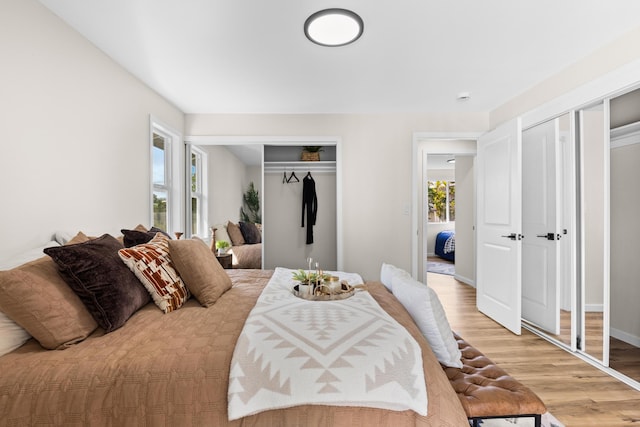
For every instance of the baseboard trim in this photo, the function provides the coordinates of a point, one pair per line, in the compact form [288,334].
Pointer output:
[625,336]
[593,308]
[465,280]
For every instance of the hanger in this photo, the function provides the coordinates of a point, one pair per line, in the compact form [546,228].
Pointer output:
[309,174]
[284,177]
[292,176]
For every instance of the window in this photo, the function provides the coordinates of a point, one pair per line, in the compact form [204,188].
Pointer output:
[442,201]
[198,192]
[166,210]
[161,162]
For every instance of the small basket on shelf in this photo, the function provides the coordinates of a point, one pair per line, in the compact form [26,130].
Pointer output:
[311,153]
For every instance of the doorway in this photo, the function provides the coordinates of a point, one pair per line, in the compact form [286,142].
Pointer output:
[436,150]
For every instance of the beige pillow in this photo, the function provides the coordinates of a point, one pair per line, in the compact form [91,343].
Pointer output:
[37,298]
[235,234]
[200,270]
[78,238]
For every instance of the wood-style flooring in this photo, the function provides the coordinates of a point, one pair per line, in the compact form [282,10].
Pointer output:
[575,392]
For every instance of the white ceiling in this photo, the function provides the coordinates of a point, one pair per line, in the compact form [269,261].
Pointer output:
[251,56]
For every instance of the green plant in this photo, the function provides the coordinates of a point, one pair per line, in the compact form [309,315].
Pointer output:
[251,201]
[303,276]
[222,244]
[312,148]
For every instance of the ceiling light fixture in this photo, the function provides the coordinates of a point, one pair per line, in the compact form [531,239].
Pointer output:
[333,27]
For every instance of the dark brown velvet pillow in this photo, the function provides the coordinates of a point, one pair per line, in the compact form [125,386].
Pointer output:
[137,237]
[250,232]
[105,285]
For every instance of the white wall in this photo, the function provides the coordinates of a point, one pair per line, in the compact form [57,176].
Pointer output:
[227,183]
[608,58]
[376,167]
[284,237]
[625,244]
[75,132]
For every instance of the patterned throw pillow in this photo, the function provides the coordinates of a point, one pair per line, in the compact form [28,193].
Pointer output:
[151,263]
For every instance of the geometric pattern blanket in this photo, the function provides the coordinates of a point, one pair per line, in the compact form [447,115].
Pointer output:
[348,353]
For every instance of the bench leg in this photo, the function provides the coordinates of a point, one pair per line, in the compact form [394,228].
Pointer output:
[475,422]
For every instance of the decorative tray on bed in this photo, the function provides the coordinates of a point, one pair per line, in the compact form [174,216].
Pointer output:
[324,292]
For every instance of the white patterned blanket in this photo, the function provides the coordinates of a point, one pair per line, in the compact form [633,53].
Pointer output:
[348,353]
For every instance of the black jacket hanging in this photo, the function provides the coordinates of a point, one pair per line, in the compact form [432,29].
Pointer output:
[310,201]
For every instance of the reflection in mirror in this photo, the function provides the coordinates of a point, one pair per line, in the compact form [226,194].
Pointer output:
[594,144]
[624,352]
[230,172]
[547,279]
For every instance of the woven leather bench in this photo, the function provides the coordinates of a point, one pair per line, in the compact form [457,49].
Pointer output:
[487,391]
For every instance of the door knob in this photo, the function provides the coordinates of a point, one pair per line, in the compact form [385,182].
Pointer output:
[514,236]
[550,236]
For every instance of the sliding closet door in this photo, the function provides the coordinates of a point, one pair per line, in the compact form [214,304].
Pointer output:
[594,182]
[541,249]
[500,225]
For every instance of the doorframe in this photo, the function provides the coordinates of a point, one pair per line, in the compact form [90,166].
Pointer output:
[431,143]
[286,141]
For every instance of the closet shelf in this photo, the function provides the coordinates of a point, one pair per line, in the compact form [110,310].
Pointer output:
[320,166]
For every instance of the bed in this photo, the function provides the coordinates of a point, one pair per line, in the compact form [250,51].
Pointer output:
[445,246]
[246,242]
[173,369]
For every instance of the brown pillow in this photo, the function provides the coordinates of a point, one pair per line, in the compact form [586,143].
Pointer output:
[36,297]
[152,265]
[79,238]
[137,237]
[250,232]
[235,234]
[200,270]
[109,290]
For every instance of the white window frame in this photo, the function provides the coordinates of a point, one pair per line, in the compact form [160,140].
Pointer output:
[172,170]
[201,192]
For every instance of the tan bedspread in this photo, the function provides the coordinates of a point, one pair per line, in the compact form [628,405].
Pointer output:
[173,370]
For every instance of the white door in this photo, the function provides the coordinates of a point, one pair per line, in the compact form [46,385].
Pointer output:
[500,225]
[540,224]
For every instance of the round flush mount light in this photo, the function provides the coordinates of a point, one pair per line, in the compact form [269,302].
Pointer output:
[333,27]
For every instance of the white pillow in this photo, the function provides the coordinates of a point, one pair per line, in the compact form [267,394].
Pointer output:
[12,336]
[424,306]
[388,272]
[27,256]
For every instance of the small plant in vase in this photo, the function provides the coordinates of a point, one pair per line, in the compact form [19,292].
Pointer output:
[222,246]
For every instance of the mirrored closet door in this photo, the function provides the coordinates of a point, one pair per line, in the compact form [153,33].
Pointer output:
[599,234]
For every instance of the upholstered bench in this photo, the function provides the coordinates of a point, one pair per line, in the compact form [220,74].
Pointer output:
[487,391]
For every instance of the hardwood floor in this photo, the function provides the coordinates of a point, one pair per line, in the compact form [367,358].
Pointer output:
[575,392]
[624,358]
